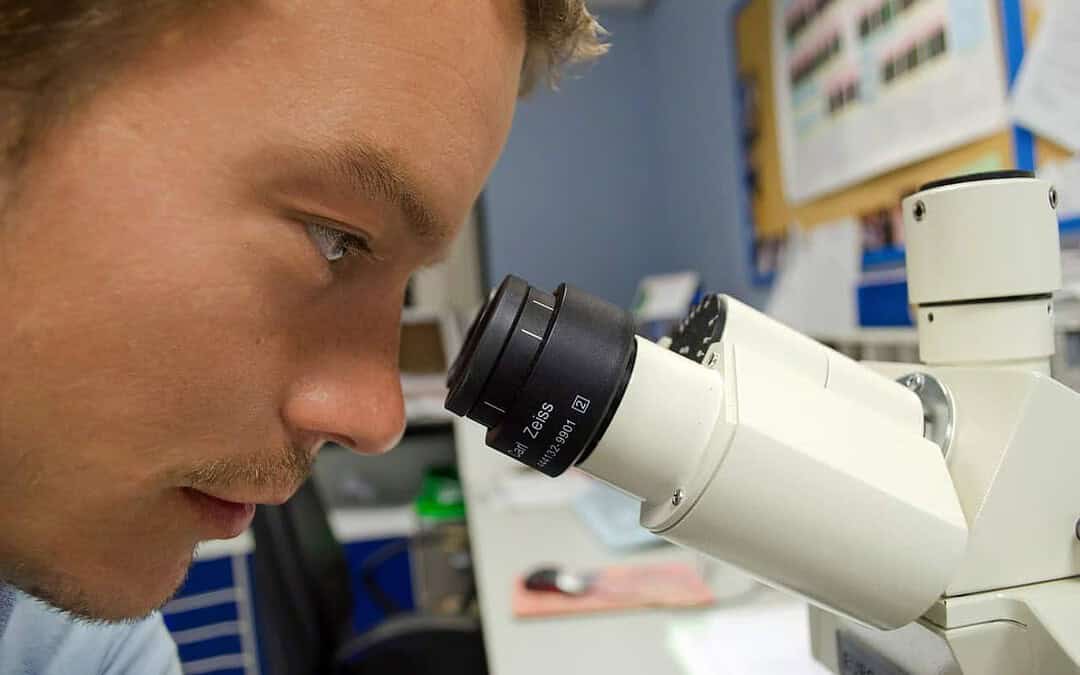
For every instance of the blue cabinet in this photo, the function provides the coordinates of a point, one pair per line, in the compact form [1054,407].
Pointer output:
[213,618]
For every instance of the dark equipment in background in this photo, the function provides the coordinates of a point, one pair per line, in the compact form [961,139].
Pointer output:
[304,607]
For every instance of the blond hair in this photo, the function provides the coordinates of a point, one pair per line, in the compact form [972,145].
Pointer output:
[558,32]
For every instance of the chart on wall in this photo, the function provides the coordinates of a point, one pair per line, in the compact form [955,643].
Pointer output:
[866,86]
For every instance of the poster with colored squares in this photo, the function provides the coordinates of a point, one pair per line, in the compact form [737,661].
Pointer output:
[865,86]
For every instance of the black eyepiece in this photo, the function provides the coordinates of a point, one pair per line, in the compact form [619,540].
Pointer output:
[543,372]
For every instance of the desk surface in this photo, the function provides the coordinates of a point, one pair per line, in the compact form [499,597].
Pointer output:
[505,542]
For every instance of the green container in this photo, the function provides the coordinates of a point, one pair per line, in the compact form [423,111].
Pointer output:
[441,499]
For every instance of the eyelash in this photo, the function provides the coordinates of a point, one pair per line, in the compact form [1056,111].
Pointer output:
[334,244]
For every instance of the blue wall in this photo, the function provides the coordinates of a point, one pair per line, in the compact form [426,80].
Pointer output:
[574,196]
[631,168]
[698,143]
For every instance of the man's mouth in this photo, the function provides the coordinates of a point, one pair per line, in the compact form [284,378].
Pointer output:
[242,495]
[223,519]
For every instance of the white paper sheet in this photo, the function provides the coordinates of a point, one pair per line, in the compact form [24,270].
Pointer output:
[815,292]
[1046,98]
[665,296]
[762,638]
[892,112]
[519,489]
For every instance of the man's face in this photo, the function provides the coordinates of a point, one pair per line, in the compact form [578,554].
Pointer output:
[173,334]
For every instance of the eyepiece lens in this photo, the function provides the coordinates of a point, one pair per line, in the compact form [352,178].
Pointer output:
[483,344]
[544,372]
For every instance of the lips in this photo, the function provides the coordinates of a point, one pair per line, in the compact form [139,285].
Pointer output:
[239,495]
[222,519]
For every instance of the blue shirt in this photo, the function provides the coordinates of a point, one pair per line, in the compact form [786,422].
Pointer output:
[36,639]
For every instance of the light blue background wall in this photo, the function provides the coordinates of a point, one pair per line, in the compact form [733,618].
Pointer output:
[698,143]
[574,196]
[631,168]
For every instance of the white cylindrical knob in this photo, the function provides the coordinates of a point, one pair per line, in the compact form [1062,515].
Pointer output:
[981,240]
[986,333]
[983,258]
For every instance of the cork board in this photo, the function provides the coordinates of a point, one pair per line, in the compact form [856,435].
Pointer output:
[771,213]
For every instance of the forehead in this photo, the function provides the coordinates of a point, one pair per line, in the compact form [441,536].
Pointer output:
[431,84]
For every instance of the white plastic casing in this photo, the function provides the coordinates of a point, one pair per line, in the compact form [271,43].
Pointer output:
[982,260]
[682,399]
[793,463]
[985,239]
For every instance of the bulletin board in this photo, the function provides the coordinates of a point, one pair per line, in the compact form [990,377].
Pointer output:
[768,209]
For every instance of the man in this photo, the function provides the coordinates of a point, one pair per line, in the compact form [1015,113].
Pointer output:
[208,215]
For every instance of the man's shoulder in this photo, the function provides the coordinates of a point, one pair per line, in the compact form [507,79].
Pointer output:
[39,640]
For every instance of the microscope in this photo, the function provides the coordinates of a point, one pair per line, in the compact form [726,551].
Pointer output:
[927,512]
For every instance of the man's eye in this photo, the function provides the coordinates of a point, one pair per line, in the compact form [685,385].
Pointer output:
[336,244]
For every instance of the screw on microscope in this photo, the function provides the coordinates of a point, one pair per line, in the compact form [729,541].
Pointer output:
[915,382]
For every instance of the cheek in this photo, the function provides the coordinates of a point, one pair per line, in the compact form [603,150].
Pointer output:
[157,341]
[196,334]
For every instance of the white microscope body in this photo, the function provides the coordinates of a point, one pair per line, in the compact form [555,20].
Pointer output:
[932,522]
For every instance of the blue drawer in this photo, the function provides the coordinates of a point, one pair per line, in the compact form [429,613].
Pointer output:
[884,304]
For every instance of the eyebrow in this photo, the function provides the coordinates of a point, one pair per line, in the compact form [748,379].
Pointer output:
[375,174]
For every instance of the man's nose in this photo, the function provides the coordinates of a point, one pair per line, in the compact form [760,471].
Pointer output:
[352,398]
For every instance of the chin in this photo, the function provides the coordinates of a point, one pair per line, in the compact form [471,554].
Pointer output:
[153,598]
[130,596]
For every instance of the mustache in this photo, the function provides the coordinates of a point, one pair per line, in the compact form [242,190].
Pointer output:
[285,467]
